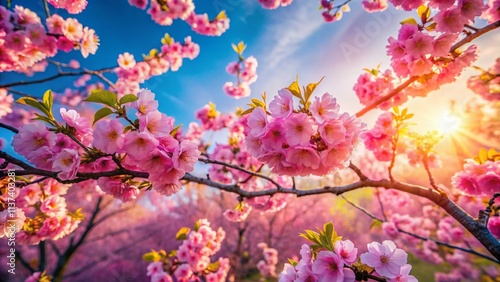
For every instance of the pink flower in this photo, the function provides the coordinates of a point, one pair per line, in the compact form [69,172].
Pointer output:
[161,277]
[32,137]
[419,44]
[404,275]
[54,206]
[139,144]
[328,267]
[441,46]
[258,122]
[324,108]
[183,271]
[489,183]
[141,4]
[11,222]
[67,162]
[385,258]
[72,29]
[126,60]
[89,43]
[282,104]
[471,8]
[390,229]
[185,156]
[146,102]
[346,251]
[64,44]
[298,129]
[494,226]
[332,132]
[289,273]
[156,123]
[304,156]
[449,20]
[108,136]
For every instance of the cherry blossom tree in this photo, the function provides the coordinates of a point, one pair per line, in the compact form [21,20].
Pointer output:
[286,150]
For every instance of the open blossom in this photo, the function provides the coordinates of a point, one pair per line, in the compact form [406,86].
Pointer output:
[72,29]
[146,102]
[328,266]
[185,156]
[298,129]
[89,43]
[346,251]
[32,137]
[404,275]
[324,108]
[54,206]
[258,122]
[72,6]
[282,104]
[385,258]
[126,60]
[156,123]
[67,162]
[108,136]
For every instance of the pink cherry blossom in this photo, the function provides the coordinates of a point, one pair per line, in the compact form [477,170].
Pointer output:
[299,129]
[258,122]
[324,108]
[108,136]
[67,163]
[346,251]
[282,104]
[385,258]
[328,267]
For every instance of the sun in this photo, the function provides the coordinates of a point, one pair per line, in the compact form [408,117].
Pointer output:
[448,124]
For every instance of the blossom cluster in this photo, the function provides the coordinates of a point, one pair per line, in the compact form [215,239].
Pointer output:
[294,142]
[337,265]
[487,83]
[192,259]
[273,4]
[72,35]
[149,147]
[165,12]
[72,6]
[41,213]
[25,43]
[131,73]
[212,119]
[372,85]
[245,70]
[6,100]
[492,12]
[333,12]
[478,178]
[202,25]
[267,266]
[372,6]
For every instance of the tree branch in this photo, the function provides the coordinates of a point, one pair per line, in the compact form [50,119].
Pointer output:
[372,216]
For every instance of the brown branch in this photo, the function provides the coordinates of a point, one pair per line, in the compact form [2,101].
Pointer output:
[372,216]
[8,127]
[441,199]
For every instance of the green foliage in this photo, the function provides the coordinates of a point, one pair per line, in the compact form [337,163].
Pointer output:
[101,114]
[323,239]
[128,98]
[105,97]
[182,233]
[152,256]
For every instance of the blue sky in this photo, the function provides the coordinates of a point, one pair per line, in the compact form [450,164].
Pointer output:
[288,41]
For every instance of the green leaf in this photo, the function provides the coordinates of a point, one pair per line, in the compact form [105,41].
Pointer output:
[128,98]
[409,21]
[35,104]
[213,267]
[174,131]
[101,114]
[292,262]
[295,88]
[48,100]
[103,97]
[258,103]
[376,224]
[424,12]
[182,234]
[151,256]
[197,226]
[247,111]
[42,118]
[310,89]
